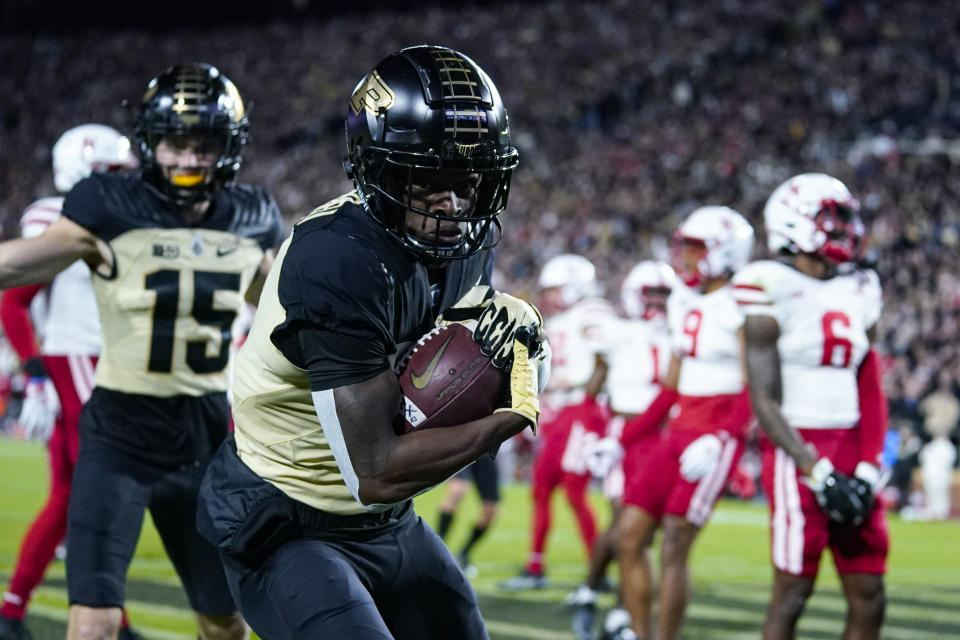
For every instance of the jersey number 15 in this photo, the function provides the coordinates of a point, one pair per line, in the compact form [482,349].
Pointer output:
[167,285]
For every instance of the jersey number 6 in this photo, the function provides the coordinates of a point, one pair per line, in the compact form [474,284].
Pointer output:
[837,348]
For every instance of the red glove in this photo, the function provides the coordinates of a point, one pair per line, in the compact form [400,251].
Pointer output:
[15,317]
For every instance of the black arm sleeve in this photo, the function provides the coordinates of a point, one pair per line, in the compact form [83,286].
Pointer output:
[338,301]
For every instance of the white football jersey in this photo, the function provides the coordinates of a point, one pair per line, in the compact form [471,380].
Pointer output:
[638,356]
[703,333]
[823,337]
[69,324]
[576,336]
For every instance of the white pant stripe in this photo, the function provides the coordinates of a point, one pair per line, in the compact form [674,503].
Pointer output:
[788,521]
[795,519]
[709,487]
[81,371]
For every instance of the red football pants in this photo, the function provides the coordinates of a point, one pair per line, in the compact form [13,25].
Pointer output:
[549,472]
[73,378]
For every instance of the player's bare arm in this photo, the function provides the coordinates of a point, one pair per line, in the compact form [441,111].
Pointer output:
[598,377]
[391,468]
[763,376]
[672,379]
[32,260]
[252,295]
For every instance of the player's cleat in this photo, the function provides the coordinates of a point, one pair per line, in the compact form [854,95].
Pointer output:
[525,582]
[469,570]
[581,595]
[623,634]
[11,629]
[581,623]
[617,626]
[129,634]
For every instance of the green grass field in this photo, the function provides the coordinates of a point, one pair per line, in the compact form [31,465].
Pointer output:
[730,566]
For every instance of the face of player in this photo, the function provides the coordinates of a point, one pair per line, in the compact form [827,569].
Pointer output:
[551,301]
[452,194]
[687,261]
[188,160]
[653,301]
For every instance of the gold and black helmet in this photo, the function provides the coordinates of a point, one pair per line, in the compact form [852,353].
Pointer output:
[191,99]
[422,109]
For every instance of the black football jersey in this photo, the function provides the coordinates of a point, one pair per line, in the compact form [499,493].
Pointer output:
[343,299]
[169,295]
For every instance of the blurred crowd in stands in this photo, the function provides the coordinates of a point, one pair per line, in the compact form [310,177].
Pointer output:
[627,115]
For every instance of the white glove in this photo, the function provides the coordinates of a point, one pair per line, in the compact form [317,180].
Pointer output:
[41,406]
[602,455]
[870,475]
[819,473]
[700,457]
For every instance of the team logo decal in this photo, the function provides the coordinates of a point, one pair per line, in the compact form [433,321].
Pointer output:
[196,246]
[373,95]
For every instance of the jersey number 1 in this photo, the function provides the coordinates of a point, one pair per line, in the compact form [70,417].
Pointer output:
[167,285]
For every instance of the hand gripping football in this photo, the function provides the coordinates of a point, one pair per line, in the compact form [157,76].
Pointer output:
[447,380]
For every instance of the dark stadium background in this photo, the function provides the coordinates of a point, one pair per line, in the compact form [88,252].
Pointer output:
[627,114]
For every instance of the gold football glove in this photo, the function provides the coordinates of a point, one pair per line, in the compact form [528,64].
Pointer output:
[469,307]
[496,325]
[524,388]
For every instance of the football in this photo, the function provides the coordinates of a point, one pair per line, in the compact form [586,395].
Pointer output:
[446,380]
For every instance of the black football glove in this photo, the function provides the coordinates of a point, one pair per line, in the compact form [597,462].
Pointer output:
[846,500]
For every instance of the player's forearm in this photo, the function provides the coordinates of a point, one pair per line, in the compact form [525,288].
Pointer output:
[28,261]
[767,412]
[762,361]
[597,378]
[419,460]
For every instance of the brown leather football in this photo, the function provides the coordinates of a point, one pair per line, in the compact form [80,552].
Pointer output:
[447,380]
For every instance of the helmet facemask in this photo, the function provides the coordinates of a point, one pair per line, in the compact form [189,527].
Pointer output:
[842,230]
[653,301]
[391,180]
[184,184]
[688,257]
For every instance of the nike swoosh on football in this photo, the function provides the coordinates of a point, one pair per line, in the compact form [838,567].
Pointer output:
[222,251]
[421,380]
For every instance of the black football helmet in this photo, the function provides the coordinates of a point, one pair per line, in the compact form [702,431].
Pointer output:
[191,99]
[422,109]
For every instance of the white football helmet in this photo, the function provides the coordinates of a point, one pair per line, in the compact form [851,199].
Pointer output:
[573,276]
[814,213]
[727,242]
[87,148]
[644,292]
